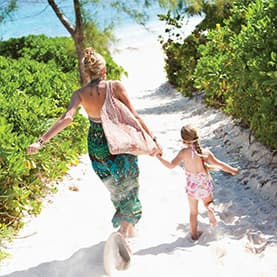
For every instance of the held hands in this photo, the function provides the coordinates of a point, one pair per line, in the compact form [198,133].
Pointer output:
[158,150]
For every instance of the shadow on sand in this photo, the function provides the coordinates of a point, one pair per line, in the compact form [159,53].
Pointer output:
[181,243]
[84,262]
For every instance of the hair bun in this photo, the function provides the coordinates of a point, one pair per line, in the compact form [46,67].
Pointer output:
[93,62]
[90,56]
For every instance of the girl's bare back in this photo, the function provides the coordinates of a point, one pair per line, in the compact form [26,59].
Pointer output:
[192,161]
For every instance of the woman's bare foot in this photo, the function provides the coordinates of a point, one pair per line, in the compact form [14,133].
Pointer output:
[132,232]
[124,236]
[196,236]
[128,247]
[127,230]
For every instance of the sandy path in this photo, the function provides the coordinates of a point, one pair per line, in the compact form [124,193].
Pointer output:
[67,239]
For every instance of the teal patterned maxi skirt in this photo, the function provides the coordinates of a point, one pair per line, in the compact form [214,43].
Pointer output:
[119,173]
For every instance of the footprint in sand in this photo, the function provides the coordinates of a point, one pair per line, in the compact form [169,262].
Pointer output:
[256,243]
[228,218]
[220,252]
[225,214]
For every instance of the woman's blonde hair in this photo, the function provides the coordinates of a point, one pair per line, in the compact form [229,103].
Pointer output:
[190,134]
[93,63]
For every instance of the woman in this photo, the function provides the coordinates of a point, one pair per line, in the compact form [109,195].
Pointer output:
[119,172]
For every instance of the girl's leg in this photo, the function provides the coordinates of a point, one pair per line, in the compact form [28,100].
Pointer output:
[209,205]
[193,206]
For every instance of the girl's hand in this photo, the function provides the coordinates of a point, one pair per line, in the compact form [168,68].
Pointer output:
[155,152]
[34,148]
[235,171]
[159,156]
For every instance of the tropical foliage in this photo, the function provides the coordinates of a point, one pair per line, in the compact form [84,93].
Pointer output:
[235,64]
[37,76]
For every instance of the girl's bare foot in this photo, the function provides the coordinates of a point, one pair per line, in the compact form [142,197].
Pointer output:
[196,236]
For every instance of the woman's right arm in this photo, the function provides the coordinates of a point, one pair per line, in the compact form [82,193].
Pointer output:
[121,93]
[58,126]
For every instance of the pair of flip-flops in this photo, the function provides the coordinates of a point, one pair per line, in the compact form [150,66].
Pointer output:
[117,254]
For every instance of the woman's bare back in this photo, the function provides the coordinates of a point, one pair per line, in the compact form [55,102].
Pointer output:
[93,97]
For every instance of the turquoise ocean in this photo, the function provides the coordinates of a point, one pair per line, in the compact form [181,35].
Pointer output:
[37,17]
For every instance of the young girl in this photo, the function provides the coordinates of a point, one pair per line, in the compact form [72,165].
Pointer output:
[197,163]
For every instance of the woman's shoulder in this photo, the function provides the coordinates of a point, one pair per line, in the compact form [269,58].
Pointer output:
[117,86]
[116,83]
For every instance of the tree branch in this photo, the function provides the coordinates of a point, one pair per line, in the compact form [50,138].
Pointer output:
[61,17]
[78,16]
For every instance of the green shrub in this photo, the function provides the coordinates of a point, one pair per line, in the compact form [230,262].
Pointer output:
[234,63]
[37,76]
[242,76]
[59,50]
[211,72]
[181,53]
[28,107]
[180,62]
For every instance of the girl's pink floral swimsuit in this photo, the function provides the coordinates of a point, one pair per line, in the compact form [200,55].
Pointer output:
[199,185]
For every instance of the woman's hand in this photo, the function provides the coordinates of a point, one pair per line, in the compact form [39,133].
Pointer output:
[34,148]
[158,150]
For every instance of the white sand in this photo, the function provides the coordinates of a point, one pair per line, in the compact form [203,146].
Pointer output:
[67,238]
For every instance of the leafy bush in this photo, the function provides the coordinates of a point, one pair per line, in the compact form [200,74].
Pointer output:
[59,50]
[37,76]
[232,58]
[242,76]
[29,107]
[211,70]
[180,62]
[181,53]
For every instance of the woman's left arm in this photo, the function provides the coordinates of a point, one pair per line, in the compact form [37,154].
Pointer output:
[59,125]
